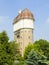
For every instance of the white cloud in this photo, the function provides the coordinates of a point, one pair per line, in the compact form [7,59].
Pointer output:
[47,20]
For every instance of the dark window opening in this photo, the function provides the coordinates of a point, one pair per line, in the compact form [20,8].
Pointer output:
[29,37]
[17,33]
[18,36]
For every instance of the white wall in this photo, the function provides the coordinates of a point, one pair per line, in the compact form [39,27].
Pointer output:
[24,23]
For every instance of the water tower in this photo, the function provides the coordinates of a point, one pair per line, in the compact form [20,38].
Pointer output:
[23,29]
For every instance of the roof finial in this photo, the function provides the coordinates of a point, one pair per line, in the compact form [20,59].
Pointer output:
[19,11]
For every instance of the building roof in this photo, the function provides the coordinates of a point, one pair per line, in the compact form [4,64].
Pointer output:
[25,14]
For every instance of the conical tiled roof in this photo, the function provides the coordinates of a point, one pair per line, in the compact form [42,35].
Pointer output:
[25,14]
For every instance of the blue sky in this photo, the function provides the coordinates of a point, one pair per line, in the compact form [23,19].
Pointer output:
[40,8]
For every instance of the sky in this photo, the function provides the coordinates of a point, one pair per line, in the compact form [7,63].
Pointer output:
[40,9]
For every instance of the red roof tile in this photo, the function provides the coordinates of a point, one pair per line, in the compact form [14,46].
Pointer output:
[25,14]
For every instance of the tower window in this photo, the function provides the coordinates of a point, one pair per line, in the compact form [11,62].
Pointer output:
[18,36]
[17,33]
[29,37]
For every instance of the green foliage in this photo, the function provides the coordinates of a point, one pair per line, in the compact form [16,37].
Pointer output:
[3,38]
[38,53]
[34,54]
[42,46]
[36,58]
[9,51]
[27,50]
[21,61]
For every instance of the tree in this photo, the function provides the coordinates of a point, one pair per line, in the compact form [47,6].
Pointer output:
[27,50]
[38,53]
[35,58]
[42,46]
[3,38]
[9,51]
